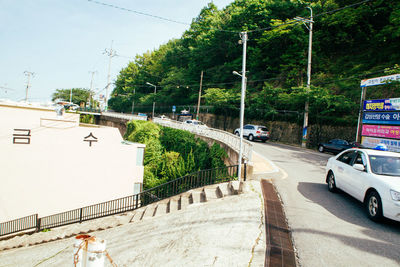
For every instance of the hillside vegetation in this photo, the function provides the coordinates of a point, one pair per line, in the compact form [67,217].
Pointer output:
[172,153]
[350,43]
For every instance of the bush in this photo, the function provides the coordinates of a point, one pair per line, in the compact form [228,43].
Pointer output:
[172,153]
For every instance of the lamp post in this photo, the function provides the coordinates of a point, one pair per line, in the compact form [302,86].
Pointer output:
[155,92]
[243,37]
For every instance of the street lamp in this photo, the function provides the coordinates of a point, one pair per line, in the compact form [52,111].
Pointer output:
[243,37]
[155,92]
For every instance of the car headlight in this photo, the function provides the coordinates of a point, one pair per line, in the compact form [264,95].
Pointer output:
[395,195]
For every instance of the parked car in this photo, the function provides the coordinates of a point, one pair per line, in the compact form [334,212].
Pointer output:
[195,123]
[254,132]
[371,176]
[337,146]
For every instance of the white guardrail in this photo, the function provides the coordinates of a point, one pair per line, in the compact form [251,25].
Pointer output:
[229,139]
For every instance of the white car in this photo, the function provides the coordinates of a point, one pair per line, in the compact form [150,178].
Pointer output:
[195,123]
[371,176]
[254,132]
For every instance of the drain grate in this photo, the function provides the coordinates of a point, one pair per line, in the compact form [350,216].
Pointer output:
[279,250]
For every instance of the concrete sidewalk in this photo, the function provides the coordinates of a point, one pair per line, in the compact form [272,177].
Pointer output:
[238,230]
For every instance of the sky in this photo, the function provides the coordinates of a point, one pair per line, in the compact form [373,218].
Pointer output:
[63,41]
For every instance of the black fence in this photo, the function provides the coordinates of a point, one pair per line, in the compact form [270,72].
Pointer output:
[169,189]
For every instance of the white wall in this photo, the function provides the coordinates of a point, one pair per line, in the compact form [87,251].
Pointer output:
[58,170]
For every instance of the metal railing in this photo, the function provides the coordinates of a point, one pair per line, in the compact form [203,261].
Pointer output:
[123,116]
[120,205]
[21,224]
[229,139]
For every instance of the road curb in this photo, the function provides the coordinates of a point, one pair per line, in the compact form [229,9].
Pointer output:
[279,247]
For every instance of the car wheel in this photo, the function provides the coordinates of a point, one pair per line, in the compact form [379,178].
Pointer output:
[373,205]
[251,137]
[237,133]
[331,182]
[321,149]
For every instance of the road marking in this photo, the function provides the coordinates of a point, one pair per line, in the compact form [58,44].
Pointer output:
[275,168]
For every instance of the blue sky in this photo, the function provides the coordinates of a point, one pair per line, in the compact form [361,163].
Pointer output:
[61,41]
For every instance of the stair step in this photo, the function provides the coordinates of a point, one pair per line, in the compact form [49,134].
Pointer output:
[198,196]
[149,212]
[161,208]
[235,186]
[186,200]
[225,189]
[173,204]
[137,216]
[212,193]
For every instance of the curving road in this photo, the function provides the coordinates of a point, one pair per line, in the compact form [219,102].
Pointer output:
[328,229]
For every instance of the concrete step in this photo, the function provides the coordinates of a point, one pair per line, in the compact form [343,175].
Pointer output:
[162,208]
[212,193]
[235,187]
[173,204]
[185,200]
[149,212]
[225,189]
[198,196]
[137,216]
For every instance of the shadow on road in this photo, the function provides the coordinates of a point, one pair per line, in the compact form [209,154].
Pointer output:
[349,209]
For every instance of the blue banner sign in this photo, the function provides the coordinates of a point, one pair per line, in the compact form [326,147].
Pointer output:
[380,80]
[391,104]
[381,118]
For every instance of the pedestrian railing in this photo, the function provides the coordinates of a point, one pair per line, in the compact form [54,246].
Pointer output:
[229,139]
[120,205]
[123,116]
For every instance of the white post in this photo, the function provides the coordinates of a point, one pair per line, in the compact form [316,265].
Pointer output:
[360,112]
[243,36]
[111,54]
[154,101]
[155,92]
[198,101]
[28,73]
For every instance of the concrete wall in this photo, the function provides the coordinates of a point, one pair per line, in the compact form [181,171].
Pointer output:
[112,122]
[285,132]
[58,170]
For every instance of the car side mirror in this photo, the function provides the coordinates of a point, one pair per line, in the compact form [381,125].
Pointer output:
[359,167]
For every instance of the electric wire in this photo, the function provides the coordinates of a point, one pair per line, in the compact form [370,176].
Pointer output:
[154,16]
[222,30]
[342,8]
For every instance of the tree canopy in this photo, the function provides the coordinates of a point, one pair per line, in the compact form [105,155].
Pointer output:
[77,95]
[349,44]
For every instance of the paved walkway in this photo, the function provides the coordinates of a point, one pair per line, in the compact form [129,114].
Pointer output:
[242,230]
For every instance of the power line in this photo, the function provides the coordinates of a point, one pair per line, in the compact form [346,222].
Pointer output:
[154,16]
[221,30]
[342,8]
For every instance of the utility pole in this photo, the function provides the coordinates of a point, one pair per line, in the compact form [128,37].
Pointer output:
[111,53]
[198,101]
[154,100]
[29,74]
[91,87]
[306,106]
[133,100]
[243,36]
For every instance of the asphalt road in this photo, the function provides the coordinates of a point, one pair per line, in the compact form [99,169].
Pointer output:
[327,229]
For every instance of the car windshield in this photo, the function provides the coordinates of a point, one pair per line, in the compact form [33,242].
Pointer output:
[385,165]
[264,129]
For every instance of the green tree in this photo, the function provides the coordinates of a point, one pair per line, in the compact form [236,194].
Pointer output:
[79,95]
